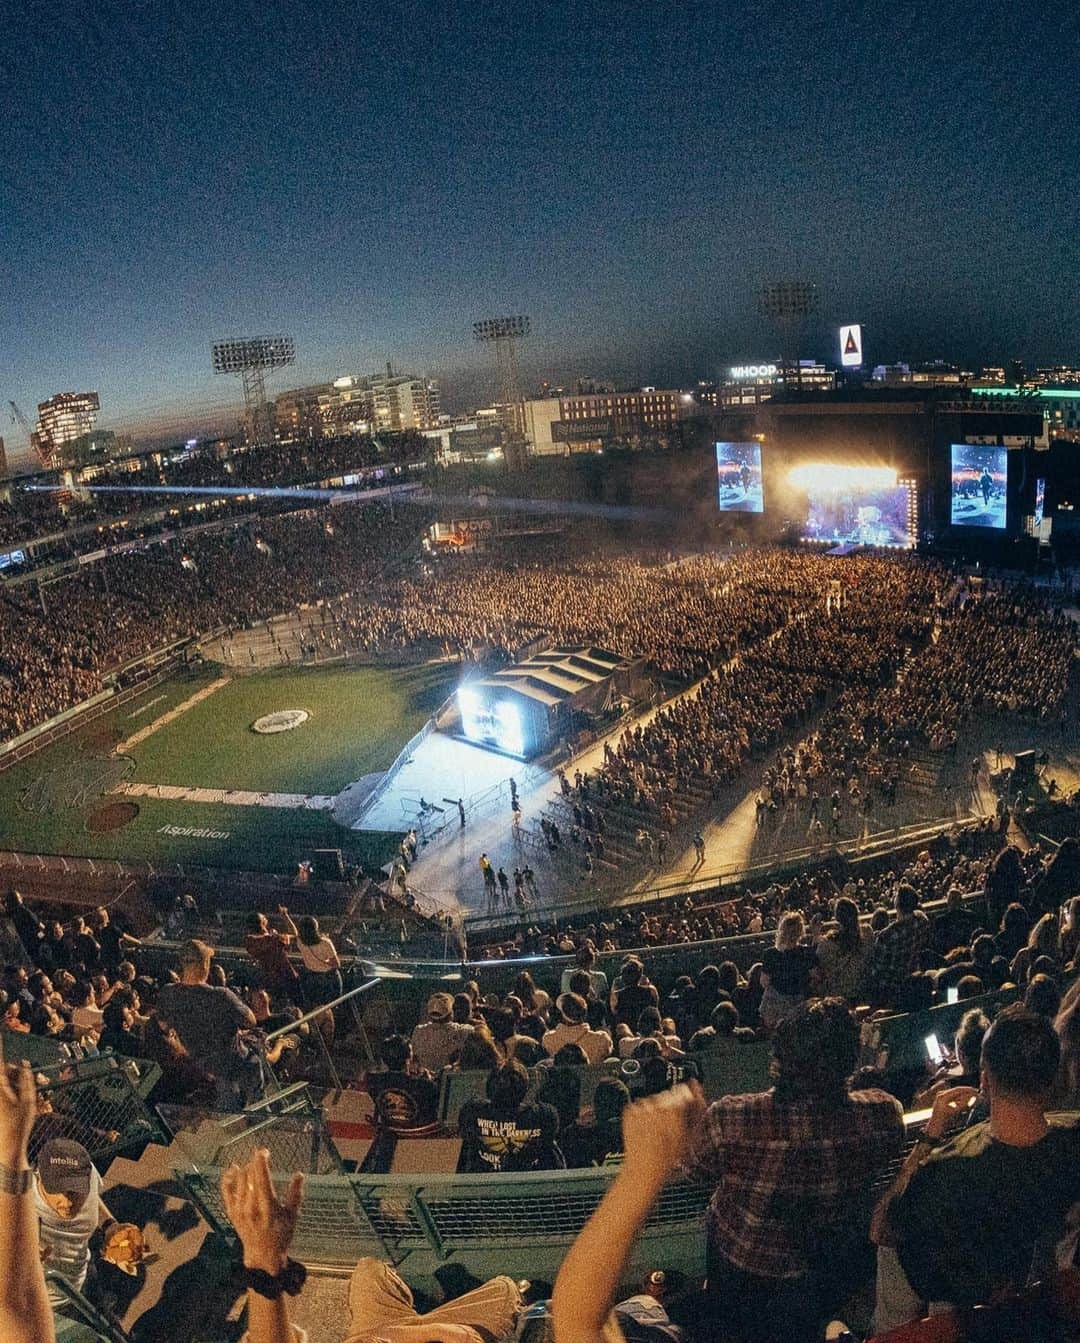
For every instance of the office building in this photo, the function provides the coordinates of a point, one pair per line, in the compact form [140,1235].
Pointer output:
[934,374]
[298,415]
[1059,406]
[356,405]
[405,402]
[62,419]
[749,385]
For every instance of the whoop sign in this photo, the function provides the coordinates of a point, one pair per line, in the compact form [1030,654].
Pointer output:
[744,371]
[851,346]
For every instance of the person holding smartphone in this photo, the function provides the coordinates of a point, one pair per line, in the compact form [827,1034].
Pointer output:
[978,1212]
[964,1069]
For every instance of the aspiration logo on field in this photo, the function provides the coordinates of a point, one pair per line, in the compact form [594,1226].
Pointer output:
[193,832]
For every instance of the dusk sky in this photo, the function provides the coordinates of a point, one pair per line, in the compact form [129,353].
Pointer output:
[374,178]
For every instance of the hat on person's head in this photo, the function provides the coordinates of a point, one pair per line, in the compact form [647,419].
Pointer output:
[440,1007]
[64,1167]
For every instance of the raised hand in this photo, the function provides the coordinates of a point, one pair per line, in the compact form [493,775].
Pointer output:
[949,1107]
[18,1110]
[658,1132]
[264,1222]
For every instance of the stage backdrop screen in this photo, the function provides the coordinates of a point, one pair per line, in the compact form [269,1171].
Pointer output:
[979,477]
[1040,501]
[738,477]
[860,514]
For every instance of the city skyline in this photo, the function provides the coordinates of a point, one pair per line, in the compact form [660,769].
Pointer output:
[629,183]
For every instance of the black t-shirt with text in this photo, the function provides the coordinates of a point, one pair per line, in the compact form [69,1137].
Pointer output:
[508,1140]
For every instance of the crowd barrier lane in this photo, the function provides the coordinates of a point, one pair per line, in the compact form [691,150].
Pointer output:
[521,1225]
[735,873]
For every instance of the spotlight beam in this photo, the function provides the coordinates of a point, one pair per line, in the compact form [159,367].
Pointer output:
[401,494]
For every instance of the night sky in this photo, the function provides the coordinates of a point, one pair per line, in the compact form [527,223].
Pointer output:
[374,178]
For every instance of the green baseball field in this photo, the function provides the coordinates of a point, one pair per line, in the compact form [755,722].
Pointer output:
[146,782]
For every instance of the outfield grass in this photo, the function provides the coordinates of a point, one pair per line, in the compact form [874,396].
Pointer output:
[360,719]
[258,839]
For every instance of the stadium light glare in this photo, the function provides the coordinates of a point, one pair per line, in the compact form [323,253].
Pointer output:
[829,478]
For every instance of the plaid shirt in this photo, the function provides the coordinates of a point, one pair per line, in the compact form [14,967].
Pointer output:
[788,1173]
[896,955]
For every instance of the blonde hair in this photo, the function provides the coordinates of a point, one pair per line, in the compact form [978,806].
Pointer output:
[790,931]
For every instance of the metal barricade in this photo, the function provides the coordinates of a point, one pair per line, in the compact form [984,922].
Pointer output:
[347,1001]
[96,1102]
[516,1224]
[291,1126]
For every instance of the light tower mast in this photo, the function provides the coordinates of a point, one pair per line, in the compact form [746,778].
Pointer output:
[250,357]
[504,333]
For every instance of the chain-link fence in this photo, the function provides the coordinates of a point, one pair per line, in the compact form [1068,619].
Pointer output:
[521,1225]
[95,1102]
[292,1127]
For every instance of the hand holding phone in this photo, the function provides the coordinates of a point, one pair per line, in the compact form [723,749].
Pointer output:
[950,1107]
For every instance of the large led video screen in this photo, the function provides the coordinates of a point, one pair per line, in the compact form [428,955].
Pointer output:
[738,478]
[859,511]
[1040,501]
[979,478]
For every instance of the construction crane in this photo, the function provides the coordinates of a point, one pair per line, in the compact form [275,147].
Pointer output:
[17,417]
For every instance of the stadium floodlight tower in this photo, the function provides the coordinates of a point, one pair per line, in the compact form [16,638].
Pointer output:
[250,357]
[788,303]
[504,333]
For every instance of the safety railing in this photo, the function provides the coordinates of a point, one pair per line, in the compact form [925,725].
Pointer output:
[290,1125]
[98,1102]
[72,1308]
[347,1001]
[521,1225]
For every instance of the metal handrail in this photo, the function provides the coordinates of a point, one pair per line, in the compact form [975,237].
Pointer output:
[318,1011]
[86,1311]
[312,1017]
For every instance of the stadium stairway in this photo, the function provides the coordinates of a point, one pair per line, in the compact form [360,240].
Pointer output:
[925,768]
[184,1255]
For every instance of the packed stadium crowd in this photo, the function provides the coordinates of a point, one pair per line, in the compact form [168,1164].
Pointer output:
[57,645]
[980,922]
[28,515]
[754,623]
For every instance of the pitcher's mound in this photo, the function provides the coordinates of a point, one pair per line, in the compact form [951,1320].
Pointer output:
[113,817]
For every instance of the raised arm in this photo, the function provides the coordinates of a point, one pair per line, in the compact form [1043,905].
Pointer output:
[25,1313]
[287,920]
[657,1134]
[265,1224]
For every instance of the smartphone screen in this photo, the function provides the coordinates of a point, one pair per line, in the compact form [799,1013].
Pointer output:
[933,1049]
[952,995]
